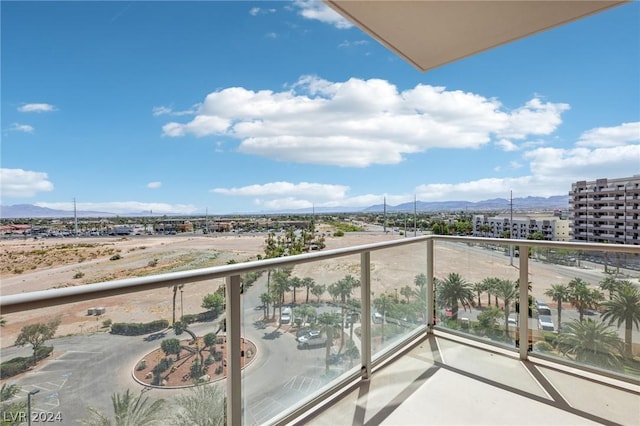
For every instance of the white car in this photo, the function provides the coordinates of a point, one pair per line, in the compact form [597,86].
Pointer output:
[545,323]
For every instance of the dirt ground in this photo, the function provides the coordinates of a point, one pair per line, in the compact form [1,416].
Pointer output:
[30,265]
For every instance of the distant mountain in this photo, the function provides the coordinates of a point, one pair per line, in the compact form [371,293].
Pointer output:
[23,211]
[19,211]
[500,204]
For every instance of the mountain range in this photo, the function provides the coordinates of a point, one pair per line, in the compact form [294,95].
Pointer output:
[26,211]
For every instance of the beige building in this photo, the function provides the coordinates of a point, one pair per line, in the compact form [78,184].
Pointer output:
[552,227]
[606,211]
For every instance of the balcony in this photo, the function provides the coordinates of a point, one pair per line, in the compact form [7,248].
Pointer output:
[385,358]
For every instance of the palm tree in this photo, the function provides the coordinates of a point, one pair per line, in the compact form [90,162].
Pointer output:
[479,288]
[175,293]
[624,307]
[266,299]
[559,293]
[281,285]
[489,284]
[308,282]
[318,290]
[420,294]
[591,342]
[452,291]
[129,411]
[582,297]
[506,290]
[329,321]
[610,284]
[203,405]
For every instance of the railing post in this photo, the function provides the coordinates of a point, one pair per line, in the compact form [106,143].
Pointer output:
[234,368]
[523,300]
[365,321]
[430,286]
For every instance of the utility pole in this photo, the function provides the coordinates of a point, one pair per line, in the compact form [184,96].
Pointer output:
[511,226]
[385,215]
[415,216]
[75,218]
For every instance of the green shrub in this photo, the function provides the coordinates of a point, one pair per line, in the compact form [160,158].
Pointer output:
[136,329]
[542,346]
[142,365]
[115,257]
[78,275]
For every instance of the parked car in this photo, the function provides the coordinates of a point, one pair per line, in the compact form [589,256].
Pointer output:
[545,323]
[312,340]
[305,335]
[285,316]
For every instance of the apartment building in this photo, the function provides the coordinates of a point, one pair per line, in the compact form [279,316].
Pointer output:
[605,211]
[552,228]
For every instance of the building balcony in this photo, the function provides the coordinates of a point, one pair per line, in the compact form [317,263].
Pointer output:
[391,346]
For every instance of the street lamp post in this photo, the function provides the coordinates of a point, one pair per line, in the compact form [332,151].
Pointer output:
[33,392]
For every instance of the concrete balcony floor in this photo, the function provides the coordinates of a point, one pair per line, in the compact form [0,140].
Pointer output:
[442,381]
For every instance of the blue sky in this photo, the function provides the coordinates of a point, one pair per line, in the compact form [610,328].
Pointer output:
[241,107]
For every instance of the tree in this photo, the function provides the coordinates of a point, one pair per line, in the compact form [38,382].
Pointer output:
[203,405]
[479,288]
[559,293]
[8,391]
[489,284]
[295,283]
[304,312]
[213,302]
[209,340]
[345,287]
[308,282]
[318,290]
[171,347]
[420,294]
[11,410]
[329,322]
[452,291]
[266,299]
[179,327]
[506,290]
[407,292]
[175,289]
[610,284]
[624,307]
[487,318]
[582,297]
[129,411]
[36,335]
[591,342]
[281,285]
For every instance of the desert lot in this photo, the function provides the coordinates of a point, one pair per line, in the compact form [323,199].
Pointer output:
[32,265]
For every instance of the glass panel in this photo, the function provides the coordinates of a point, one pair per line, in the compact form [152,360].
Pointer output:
[477,290]
[90,352]
[398,294]
[306,338]
[581,302]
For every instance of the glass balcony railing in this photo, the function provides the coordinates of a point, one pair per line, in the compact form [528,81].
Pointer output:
[265,341]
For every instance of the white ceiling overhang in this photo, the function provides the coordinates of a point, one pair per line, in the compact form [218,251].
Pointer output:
[432,33]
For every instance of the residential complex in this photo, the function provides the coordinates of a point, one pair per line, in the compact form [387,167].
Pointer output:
[605,211]
[551,227]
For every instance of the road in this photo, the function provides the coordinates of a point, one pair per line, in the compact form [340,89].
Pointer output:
[85,370]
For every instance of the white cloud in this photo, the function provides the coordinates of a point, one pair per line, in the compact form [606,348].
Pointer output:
[125,207]
[36,108]
[316,10]
[358,123]
[255,11]
[164,110]
[17,127]
[154,185]
[20,183]
[611,136]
